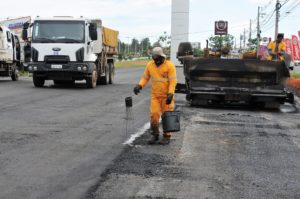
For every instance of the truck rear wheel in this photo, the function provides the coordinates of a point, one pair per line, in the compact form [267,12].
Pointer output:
[111,68]
[91,82]
[38,81]
[104,80]
[15,75]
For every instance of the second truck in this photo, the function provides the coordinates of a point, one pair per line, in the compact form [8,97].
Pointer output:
[66,49]
[10,54]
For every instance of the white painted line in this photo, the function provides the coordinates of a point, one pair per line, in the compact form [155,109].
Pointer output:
[138,134]
[297,99]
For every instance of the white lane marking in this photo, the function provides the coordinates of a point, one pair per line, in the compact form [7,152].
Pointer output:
[138,134]
[297,99]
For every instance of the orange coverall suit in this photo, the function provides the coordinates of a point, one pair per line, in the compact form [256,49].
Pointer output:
[275,47]
[163,82]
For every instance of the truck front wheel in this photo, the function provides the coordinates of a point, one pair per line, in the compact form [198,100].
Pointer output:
[91,82]
[38,81]
[15,75]
[104,80]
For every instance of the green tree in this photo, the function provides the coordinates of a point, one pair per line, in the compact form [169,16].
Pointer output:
[198,52]
[121,49]
[252,44]
[157,44]
[219,42]
[164,41]
[134,46]
[145,45]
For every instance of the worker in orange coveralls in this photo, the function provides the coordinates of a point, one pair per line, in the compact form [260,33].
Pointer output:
[162,74]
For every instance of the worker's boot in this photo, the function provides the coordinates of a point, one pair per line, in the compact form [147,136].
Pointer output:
[166,139]
[155,134]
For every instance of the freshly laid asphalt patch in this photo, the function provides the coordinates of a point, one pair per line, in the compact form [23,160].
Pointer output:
[256,158]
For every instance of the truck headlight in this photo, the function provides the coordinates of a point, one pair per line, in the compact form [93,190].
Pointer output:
[79,68]
[35,68]
[84,68]
[30,68]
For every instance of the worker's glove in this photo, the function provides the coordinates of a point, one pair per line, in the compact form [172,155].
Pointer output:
[137,89]
[169,98]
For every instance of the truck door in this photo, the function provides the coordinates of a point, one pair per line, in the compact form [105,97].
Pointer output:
[13,42]
[10,51]
[2,37]
[17,48]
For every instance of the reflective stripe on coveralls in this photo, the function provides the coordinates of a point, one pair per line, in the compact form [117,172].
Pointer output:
[163,82]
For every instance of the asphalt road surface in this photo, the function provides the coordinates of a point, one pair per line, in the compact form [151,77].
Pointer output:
[58,142]
[297,69]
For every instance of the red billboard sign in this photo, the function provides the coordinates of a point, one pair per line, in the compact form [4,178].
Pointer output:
[221,28]
[289,48]
[296,47]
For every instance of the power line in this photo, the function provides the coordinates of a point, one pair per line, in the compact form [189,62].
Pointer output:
[191,33]
[291,9]
[286,1]
[267,5]
[265,22]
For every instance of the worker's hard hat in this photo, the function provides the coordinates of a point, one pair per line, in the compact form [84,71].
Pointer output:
[158,51]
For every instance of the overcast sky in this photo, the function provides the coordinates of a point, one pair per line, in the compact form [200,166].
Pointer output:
[150,18]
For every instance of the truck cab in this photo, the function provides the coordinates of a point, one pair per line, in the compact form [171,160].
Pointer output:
[66,49]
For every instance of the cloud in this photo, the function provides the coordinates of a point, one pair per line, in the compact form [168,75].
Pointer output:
[142,18]
[261,2]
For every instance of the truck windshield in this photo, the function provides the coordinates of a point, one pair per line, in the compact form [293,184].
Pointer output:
[58,32]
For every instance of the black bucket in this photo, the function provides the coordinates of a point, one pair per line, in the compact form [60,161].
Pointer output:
[171,121]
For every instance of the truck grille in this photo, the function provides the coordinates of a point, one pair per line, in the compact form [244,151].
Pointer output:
[57,59]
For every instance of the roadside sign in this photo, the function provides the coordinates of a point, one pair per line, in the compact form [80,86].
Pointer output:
[221,27]
[265,39]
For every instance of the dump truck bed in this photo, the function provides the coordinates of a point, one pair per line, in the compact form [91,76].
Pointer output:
[110,40]
[233,80]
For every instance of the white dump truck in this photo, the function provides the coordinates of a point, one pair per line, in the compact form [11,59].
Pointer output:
[10,54]
[66,49]
[15,26]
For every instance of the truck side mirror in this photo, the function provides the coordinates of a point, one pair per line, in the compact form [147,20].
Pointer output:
[25,31]
[24,34]
[93,32]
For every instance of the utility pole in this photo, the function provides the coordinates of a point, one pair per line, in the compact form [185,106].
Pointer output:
[278,6]
[244,38]
[128,45]
[241,37]
[234,43]
[258,31]
[250,32]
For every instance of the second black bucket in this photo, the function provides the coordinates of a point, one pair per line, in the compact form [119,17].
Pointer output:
[171,121]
